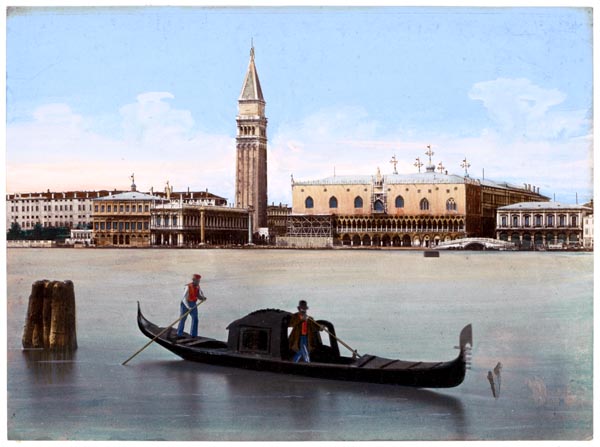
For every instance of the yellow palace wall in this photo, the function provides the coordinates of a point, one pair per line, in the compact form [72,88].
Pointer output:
[436,194]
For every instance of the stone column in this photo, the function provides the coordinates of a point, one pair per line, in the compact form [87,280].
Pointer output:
[249,227]
[202,228]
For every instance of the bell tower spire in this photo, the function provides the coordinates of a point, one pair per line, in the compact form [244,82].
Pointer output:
[251,144]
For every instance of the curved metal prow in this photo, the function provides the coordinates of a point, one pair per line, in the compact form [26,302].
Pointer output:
[466,337]
[466,344]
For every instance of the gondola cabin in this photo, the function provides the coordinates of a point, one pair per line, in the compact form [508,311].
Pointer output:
[260,341]
[265,333]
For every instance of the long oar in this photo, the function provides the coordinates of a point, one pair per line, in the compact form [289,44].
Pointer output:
[354,351]
[168,327]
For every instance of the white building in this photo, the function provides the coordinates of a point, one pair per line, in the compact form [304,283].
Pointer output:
[588,232]
[542,224]
[80,238]
[69,209]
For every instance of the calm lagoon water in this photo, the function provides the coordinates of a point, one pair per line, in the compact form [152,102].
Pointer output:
[531,311]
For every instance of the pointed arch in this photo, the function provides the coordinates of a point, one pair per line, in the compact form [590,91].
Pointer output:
[399,202]
[451,204]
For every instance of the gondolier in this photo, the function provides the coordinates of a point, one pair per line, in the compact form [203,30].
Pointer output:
[192,296]
[304,332]
[258,342]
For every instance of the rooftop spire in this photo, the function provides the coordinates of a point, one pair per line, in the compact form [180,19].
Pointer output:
[430,167]
[251,89]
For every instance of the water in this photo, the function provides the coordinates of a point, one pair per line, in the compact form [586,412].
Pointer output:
[530,311]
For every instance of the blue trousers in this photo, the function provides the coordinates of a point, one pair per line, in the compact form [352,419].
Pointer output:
[194,315]
[303,351]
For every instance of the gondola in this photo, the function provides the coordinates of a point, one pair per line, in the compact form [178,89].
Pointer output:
[259,341]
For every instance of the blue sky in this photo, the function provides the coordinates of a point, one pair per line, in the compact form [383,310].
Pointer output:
[95,94]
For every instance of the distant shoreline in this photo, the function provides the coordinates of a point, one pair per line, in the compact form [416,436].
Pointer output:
[273,247]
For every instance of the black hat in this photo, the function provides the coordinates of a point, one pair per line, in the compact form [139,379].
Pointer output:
[302,305]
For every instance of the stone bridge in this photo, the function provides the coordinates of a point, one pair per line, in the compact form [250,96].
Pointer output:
[476,243]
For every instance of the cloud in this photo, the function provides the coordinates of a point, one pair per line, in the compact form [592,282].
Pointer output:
[56,132]
[520,109]
[151,121]
[351,142]
[56,149]
[57,114]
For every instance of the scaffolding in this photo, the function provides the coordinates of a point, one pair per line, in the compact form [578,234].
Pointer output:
[310,226]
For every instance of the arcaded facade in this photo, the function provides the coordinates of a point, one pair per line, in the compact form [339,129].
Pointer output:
[123,220]
[421,209]
[542,224]
[176,224]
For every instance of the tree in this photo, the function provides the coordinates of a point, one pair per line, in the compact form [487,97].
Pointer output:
[36,233]
[14,233]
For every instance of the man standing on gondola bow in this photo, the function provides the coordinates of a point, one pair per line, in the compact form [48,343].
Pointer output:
[192,296]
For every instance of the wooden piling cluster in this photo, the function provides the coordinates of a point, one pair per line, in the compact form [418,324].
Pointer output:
[50,322]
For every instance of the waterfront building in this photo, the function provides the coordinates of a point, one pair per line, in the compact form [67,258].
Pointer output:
[194,218]
[179,224]
[251,144]
[136,219]
[71,209]
[277,217]
[80,237]
[542,224]
[123,220]
[402,210]
[588,232]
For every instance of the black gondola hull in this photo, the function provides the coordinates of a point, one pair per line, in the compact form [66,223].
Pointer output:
[367,368]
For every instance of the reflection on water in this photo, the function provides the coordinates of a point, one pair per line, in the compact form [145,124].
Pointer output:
[531,311]
[52,367]
[298,408]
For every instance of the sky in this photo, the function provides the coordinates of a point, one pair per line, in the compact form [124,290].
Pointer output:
[95,94]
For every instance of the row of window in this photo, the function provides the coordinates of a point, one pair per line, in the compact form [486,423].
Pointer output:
[56,223]
[538,220]
[16,219]
[125,239]
[165,221]
[15,209]
[121,226]
[251,130]
[122,208]
[379,205]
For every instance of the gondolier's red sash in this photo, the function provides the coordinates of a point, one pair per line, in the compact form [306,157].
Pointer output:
[193,292]
[304,328]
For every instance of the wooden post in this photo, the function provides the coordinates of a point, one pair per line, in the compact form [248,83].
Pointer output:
[33,332]
[51,322]
[47,312]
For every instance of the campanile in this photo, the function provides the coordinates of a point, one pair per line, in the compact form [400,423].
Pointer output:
[251,144]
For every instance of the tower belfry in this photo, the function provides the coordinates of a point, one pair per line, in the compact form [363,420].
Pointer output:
[251,144]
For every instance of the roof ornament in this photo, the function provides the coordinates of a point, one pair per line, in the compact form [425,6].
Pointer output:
[441,167]
[133,187]
[252,48]
[394,162]
[292,178]
[418,164]
[429,153]
[378,178]
[465,165]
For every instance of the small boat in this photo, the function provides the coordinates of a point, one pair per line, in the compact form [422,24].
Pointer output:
[259,341]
